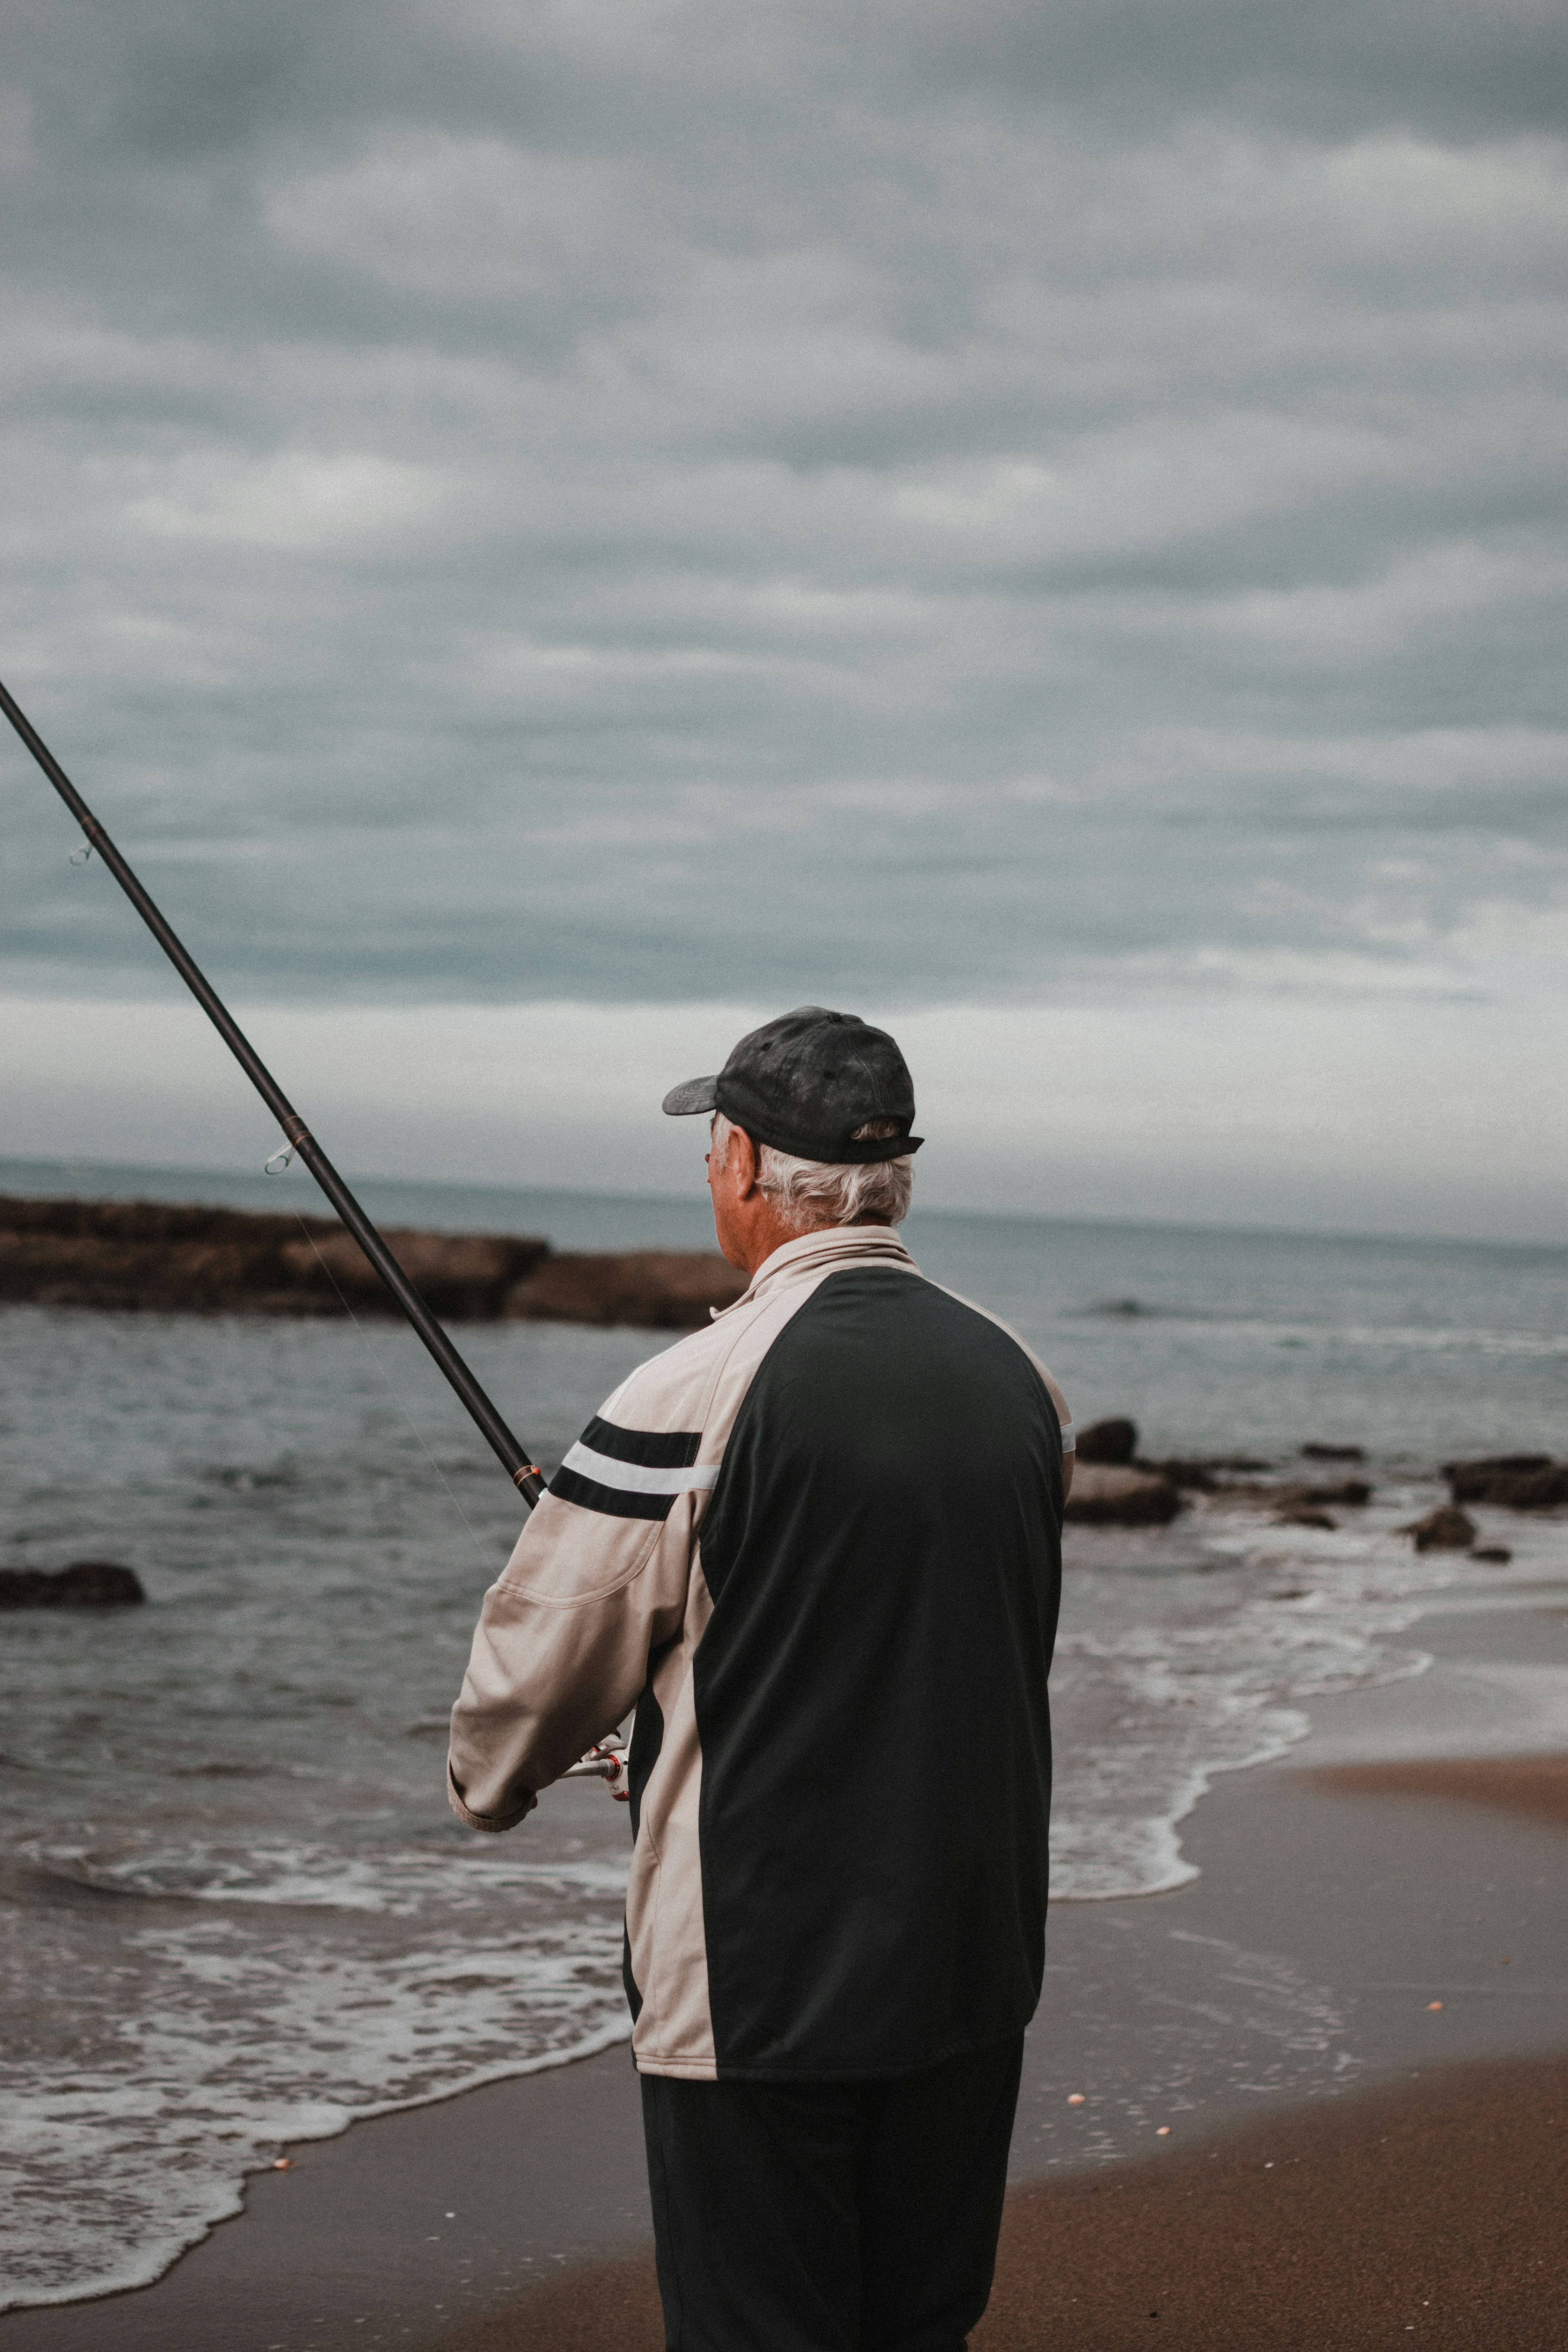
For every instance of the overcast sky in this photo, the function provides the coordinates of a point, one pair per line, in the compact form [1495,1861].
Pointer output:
[550,531]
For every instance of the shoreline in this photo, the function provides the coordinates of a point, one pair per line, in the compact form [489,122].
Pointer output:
[451,2227]
[1268,1986]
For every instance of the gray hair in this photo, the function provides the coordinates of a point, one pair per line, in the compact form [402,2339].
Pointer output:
[809,1193]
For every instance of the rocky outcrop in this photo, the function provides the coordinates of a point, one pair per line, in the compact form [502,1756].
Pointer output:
[1518,1482]
[665,1290]
[1446,1528]
[1107,1442]
[465,1277]
[1108,1495]
[85,1585]
[157,1257]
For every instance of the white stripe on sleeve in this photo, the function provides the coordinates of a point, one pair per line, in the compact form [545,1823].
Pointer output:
[636,1478]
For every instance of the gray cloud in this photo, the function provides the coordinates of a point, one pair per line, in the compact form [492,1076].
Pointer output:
[653,503]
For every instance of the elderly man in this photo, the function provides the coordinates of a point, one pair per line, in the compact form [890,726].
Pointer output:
[817,1547]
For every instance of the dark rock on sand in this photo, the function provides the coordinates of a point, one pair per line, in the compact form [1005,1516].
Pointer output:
[1108,1441]
[1498,1554]
[85,1585]
[665,1290]
[1518,1482]
[1446,1528]
[1112,1497]
[1316,1452]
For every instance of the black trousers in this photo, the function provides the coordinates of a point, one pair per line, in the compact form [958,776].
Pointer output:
[830,2216]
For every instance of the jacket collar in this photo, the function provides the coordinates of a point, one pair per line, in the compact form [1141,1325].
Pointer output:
[808,1252]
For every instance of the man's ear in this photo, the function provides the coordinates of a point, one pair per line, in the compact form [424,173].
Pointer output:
[744,1161]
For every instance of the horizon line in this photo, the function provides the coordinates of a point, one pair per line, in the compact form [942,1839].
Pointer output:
[670,1199]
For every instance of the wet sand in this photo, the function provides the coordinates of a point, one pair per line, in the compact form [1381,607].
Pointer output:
[1365,1992]
[1533,1787]
[1435,2209]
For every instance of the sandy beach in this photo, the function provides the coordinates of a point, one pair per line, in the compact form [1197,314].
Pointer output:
[1432,2208]
[1364,1992]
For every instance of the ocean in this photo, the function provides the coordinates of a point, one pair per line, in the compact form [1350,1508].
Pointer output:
[236,1910]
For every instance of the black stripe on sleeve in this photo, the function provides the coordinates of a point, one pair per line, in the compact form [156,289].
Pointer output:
[656,1449]
[617,1502]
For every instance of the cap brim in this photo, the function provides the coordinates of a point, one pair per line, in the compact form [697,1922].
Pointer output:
[696,1095]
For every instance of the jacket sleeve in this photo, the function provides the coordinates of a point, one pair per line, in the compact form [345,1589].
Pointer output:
[599,1579]
[1053,1389]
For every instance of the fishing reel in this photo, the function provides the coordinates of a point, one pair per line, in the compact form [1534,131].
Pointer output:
[608,1761]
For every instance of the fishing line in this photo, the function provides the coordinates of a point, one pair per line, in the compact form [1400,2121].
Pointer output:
[384,1378]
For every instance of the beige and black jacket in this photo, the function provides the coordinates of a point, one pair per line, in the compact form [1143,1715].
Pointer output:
[817,1548]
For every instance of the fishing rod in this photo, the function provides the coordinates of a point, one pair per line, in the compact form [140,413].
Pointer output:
[525,1476]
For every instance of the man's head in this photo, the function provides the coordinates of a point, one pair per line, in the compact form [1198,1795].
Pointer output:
[811,1129]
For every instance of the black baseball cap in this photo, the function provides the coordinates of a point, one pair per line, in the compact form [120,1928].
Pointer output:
[805,1082]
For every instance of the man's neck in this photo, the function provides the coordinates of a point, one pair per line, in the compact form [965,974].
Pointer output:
[787,1233]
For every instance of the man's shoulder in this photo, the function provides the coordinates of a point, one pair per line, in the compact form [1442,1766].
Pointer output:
[675,1389]
[1048,1380]
[988,1316]
[907,1288]
[954,1334]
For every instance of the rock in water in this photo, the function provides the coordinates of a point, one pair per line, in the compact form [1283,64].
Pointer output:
[85,1585]
[663,1290]
[1483,1464]
[1316,1452]
[1202,1475]
[1446,1528]
[1108,1441]
[1349,1495]
[182,1258]
[1112,1497]
[1196,1477]
[1518,1482]
[463,1275]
